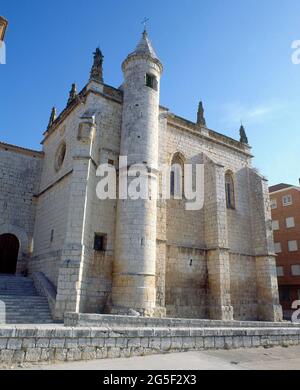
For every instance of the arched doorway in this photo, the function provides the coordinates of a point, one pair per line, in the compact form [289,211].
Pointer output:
[9,250]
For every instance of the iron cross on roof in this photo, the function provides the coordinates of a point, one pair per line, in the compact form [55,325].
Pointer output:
[144,22]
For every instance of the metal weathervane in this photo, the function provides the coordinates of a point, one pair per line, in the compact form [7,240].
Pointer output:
[144,22]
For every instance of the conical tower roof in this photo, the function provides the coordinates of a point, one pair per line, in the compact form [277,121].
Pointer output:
[145,49]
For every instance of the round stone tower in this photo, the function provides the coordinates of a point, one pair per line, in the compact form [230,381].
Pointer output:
[135,245]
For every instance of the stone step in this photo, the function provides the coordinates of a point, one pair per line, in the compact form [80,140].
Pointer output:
[22,303]
[22,317]
[16,286]
[24,307]
[22,299]
[13,278]
[40,310]
[19,293]
[26,304]
[12,310]
[16,283]
[29,321]
[26,314]
[19,282]
[6,287]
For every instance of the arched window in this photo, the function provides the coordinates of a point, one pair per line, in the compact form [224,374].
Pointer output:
[229,189]
[177,177]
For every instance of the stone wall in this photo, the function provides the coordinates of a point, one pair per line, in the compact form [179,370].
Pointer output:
[68,205]
[20,171]
[239,220]
[53,202]
[98,268]
[161,249]
[263,246]
[243,287]
[44,344]
[50,230]
[213,227]
[195,231]
[186,283]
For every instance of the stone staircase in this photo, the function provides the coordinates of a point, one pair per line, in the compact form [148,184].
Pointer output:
[23,304]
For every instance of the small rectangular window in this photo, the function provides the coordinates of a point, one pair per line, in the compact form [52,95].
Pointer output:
[151,81]
[295,270]
[284,293]
[277,247]
[293,246]
[287,200]
[273,204]
[275,225]
[290,222]
[52,236]
[100,242]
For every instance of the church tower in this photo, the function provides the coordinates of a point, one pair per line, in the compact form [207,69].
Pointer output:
[135,254]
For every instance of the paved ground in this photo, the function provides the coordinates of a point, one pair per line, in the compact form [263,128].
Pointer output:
[276,358]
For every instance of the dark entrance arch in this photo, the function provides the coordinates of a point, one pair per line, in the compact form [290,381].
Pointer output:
[9,250]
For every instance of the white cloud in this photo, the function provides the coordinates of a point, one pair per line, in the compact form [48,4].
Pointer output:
[236,112]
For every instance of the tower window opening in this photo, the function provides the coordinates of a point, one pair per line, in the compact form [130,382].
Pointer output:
[100,242]
[229,189]
[172,183]
[177,177]
[151,81]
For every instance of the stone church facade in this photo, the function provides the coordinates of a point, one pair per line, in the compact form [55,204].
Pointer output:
[152,256]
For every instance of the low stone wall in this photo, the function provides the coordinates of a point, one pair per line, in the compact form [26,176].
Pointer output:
[31,344]
[45,288]
[112,321]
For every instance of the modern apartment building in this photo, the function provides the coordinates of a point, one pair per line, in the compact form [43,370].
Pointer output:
[285,207]
[3,27]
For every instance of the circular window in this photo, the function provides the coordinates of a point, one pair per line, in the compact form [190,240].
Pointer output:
[60,156]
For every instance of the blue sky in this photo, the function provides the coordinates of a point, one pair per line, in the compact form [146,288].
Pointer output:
[234,55]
